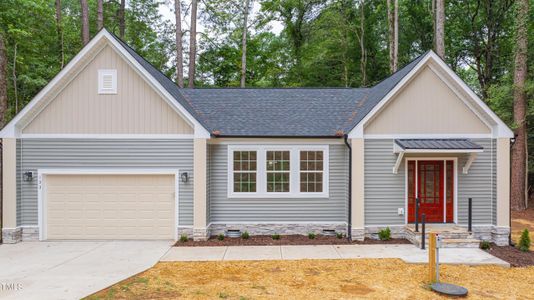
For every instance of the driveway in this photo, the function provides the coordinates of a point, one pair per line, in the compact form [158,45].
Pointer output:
[71,270]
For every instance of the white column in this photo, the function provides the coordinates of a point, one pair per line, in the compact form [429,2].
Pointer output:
[200,231]
[358,195]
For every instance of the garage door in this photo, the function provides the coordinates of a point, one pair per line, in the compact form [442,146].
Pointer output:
[109,206]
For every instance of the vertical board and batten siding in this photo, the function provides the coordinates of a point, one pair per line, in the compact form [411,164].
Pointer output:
[34,154]
[385,191]
[253,210]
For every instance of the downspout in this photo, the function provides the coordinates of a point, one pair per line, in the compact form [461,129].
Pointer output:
[349,222]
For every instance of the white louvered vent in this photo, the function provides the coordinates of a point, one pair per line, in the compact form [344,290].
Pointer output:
[107,81]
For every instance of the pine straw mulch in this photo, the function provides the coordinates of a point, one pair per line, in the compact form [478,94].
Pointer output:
[316,279]
[267,240]
[522,220]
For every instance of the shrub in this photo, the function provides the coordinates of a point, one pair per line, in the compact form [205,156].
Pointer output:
[524,241]
[311,235]
[485,245]
[384,234]
[220,237]
[245,235]
[184,238]
[275,236]
[339,235]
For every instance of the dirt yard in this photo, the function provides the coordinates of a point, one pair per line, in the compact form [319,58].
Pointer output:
[522,220]
[316,279]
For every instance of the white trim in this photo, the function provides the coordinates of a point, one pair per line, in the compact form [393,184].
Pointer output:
[294,169]
[444,151]
[398,162]
[107,136]
[107,72]
[428,136]
[500,130]
[13,128]
[469,162]
[455,176]
[41,189]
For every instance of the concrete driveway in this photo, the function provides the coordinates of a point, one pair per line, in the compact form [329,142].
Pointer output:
[71,270]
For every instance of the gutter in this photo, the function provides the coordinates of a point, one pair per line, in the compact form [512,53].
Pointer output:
[349,221]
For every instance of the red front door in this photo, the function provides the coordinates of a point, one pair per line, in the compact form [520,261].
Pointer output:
[429,186]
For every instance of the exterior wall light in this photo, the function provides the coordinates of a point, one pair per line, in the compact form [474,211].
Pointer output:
[185,177]
[27,176]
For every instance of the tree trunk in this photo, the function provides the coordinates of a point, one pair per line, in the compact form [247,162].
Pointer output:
[122,23]
[519,149]
[244,44]
[363,52]
[179,47]
[99,14]
[85,22]
[193,44]
[3,81]
[59,29]
[439,31]
[393,24]
[14,74]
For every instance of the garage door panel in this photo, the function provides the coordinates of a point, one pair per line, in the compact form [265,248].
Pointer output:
[110,206]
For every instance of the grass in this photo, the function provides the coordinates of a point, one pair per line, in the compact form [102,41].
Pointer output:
[315,279]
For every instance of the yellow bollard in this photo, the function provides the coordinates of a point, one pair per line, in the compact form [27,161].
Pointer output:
[432,257]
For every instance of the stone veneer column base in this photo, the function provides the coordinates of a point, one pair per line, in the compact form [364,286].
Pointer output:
[188,231]
[357,234]
[499,235]
[11,235]
[200,234]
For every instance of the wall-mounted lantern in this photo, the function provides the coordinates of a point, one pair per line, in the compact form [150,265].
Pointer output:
[27,176]
[185,177]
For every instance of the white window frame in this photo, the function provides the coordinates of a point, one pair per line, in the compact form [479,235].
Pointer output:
[294,171]
[101,74]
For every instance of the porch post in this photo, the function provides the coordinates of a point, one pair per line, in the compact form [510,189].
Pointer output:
[200,230]
[501,231]
[358,196]
[10,232]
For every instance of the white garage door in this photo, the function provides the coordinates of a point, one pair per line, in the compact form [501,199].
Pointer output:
[109,206]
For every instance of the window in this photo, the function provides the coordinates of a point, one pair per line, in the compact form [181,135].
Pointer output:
[278,171]
[311,171]
[271,171]
[245,165]
[107,81]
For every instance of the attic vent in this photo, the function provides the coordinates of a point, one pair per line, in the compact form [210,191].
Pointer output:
[107,81]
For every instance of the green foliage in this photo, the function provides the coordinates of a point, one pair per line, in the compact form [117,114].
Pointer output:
[384,234]
[339,235]
[524,241]
[245,235]
[485,245]
[275,236]
[312,236]
[184,238]
[220,237]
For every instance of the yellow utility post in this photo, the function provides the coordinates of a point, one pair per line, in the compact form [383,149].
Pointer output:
[432,257]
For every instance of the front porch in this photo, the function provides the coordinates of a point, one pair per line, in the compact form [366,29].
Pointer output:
[454,236]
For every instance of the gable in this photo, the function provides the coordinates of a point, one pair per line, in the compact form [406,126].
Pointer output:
[426,105]
[136,108]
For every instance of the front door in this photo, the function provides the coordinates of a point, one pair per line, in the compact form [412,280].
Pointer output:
[432,181]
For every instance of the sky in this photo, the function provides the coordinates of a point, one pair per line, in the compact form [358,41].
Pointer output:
[167,13]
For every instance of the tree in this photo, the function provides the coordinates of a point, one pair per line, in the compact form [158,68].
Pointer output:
[246,8]
[59,30]
[393,25]
[439,31]
[363,52]
[179,46]
[99,14]
[519,149]
[192,44]
[3,81]
[85,21]
[122,23]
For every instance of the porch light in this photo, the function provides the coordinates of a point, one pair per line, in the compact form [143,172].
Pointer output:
[185,177]
[27,176]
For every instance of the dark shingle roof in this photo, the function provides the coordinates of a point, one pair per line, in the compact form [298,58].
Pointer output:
[435,144]
[296,112]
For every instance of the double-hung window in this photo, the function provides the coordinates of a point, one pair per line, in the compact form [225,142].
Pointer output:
[269,171]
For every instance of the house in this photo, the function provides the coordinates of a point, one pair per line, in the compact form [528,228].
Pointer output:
[113,149]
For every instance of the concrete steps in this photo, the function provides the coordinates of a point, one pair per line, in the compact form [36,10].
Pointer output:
[452,236]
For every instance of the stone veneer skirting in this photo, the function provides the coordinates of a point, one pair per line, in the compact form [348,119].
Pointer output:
[277,228]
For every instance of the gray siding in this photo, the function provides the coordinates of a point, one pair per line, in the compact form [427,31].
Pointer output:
[333,209]
[385,191]
[36,154]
